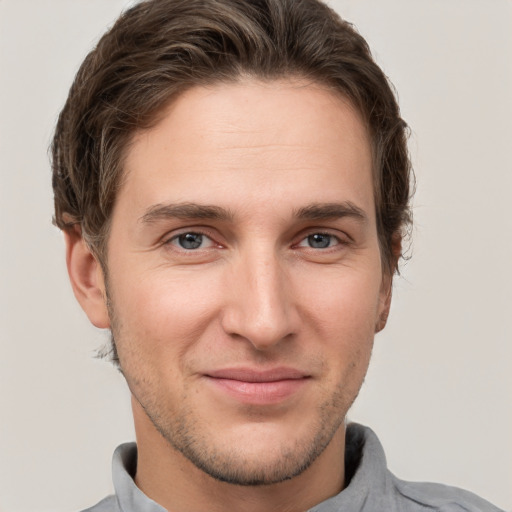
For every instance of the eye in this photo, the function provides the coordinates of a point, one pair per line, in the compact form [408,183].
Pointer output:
[191,241]
[319,241]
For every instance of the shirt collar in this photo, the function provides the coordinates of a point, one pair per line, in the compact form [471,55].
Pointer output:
[129,497]
[371,486]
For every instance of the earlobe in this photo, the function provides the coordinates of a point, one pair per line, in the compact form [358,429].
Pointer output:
[86,276]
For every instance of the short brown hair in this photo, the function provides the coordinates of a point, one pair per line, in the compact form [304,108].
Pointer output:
[159,48]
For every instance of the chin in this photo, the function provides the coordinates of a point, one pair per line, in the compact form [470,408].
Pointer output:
[254,454]
[236,466]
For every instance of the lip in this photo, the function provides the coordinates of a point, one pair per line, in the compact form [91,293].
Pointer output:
[260,387]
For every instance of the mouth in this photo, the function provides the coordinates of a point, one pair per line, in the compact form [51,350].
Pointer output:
[250,386]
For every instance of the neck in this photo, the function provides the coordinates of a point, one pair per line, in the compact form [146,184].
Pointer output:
[171,480]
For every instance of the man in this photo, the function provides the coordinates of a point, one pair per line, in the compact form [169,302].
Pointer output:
[232,180]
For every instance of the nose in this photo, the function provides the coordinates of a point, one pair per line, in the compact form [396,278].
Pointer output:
[260,306]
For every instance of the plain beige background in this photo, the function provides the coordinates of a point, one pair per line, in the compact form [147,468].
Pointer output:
[439,388]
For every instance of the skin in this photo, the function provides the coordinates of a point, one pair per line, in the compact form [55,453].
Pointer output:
[287,275]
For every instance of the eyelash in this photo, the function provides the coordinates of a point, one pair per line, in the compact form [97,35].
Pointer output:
[201,232]
[204,233]
[337,239]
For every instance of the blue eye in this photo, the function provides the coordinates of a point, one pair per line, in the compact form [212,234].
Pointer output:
[191,241]
[319,241]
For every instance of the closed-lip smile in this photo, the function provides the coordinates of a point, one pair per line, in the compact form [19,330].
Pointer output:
[255,386]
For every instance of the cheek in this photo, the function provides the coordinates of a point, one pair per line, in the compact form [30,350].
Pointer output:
[342,310]
[166,310]
[345,301]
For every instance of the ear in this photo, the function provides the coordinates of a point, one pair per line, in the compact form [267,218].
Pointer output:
[86,276]
[385,302]
[386,290]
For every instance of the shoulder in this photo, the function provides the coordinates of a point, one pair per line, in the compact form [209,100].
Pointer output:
[108,504]
[442,498]
[372,486]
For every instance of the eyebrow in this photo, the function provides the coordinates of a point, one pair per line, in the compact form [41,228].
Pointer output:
[185,211]
[313,211]
[331,211]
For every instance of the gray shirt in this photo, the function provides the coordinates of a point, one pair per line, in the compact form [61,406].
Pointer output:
[371,488]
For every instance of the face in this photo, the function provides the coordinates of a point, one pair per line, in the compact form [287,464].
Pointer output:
[244,275]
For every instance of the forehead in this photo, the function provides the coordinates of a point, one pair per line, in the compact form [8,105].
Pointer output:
[291,139]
